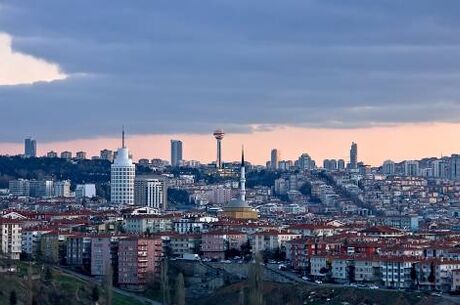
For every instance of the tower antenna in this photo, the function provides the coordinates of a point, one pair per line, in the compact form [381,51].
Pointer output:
[123,136]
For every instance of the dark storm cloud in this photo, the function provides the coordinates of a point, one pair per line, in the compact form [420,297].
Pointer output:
[193,66]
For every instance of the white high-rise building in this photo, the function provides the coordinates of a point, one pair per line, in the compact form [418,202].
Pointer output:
[122,176]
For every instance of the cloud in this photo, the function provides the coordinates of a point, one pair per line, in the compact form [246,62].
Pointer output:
[162,67]
[17,68]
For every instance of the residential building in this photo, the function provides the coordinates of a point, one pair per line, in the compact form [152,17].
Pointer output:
[151,192]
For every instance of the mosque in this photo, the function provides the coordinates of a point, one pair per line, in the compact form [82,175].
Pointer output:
[238,208]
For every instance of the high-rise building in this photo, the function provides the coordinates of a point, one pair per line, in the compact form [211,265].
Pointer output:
[85,191]
[454,167]
[439,168]
[81,155]
[30,148]
[107,155]
[354,156]
[340,164]
[275,158]
[19,187]
[219,135]
[176,153]
[41,188]
[122,175]
[62,188]
[66,155]
[388,167]
[305,162]
[151,192]
[411,168]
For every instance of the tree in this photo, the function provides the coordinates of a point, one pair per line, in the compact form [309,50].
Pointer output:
[165,290]
[95,294]
[13,298]
[108,284]
[256,282]
[432,276]
[29,285]
[413,275]
[179,295]
[48,275]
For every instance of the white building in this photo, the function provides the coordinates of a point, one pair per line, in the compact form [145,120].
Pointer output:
[150,192]
[11,238]
[85,191]
[62,188]
[122,176]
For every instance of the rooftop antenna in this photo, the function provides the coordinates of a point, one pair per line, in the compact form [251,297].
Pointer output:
[123,136]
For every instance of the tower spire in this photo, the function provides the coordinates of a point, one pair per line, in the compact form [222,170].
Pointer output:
[242,155]
[123,136]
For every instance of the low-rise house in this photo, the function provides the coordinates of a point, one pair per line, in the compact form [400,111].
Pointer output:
[214,244]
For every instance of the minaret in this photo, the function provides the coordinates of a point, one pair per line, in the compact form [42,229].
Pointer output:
[242,178]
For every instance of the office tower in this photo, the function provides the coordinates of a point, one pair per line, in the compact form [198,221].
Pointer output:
[85,191]
[122,175]
[151,192]
[275,158]
[81,155]
[176,153]
[107,155]
[388,168]
[340,164]
[66,155]
[411,168]
[354,156]
[51,154]
[30,148]
[219,135]
[62,189]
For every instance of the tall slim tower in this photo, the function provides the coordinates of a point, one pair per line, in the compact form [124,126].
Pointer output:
[354,156]
[30,147]
[275,158]
[242,178]
[176,153]
[219,135]
[122,173]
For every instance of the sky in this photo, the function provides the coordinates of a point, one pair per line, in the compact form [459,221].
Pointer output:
[299,75]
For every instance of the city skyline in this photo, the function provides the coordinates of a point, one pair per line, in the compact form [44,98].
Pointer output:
[373,149]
